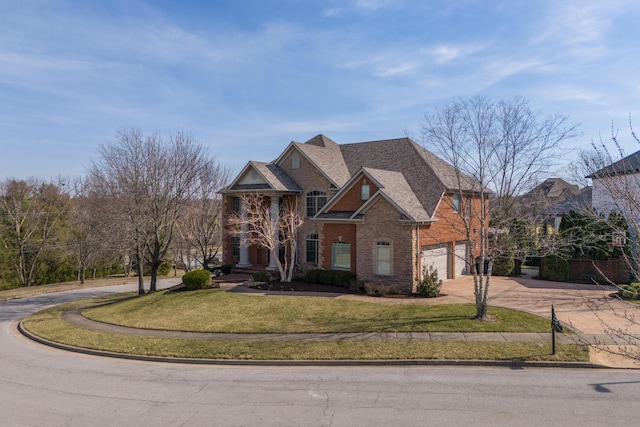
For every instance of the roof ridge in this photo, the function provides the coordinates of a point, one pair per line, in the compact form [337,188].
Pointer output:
[321,140]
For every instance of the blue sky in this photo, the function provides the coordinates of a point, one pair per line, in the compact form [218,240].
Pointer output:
[246,77]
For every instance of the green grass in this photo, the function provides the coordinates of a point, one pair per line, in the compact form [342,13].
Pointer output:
[48,324]
[225,312]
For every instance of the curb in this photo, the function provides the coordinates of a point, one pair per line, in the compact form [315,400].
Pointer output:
[513,364]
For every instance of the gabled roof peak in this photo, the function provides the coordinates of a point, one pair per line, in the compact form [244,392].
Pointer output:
[321,141]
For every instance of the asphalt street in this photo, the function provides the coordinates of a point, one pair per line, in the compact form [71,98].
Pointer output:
[40,386]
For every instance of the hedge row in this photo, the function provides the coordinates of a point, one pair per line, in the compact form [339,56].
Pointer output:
[330,277]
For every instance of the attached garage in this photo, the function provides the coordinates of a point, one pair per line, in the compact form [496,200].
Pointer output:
[461,258]
[438,257]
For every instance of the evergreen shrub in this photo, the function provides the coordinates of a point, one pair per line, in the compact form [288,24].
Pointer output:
[555,268]
[261,276]
[630,291]
[503,265]
[430,285]
[196,279]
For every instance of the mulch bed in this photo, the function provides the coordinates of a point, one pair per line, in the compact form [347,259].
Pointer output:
[298,287]
[293,287]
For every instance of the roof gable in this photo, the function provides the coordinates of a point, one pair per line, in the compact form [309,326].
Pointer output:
[396,189]
[426,175]
[392,186]
[262,176]
[324,155]
[556,188]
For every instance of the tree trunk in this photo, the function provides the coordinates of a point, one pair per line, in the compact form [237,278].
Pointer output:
[154,277]
[140,272]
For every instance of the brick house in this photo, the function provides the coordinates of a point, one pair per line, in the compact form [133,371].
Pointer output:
[380,209]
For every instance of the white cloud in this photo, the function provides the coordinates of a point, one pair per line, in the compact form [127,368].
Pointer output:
[371,5]
[391,70]
[579,24]
[359,7]
[443,53]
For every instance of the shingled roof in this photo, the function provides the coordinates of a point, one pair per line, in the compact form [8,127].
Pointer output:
[411,177]
[397,190]
[628,165]
[326,155]
[428,176]
[275,179]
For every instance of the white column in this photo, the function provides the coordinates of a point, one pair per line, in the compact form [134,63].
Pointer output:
[275,210]
[244,246]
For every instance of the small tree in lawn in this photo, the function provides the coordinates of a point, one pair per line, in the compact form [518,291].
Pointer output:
[505,148]
[144,183]
[200,227]
[271,232]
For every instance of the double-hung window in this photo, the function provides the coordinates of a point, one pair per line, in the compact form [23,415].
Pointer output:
[235,205]
[315,201]
[312,248]
[235,246]
[383,258]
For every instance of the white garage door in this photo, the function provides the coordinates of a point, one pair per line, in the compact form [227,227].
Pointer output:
[439,259]
[461,257]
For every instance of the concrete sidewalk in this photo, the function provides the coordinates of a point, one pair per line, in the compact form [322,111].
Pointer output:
[609,325]
[74,317]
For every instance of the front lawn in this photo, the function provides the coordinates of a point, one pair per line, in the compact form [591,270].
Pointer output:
[219,311]
[48,324]
[226,312]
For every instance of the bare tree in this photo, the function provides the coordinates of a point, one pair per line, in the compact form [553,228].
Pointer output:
[272,232]
[616,188]
[200,228]
[616,183]
[32,213]
[87,243]
[577,172]
[506,148]
[145,182]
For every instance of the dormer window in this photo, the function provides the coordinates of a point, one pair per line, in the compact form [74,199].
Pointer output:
[364,192]
[295,161]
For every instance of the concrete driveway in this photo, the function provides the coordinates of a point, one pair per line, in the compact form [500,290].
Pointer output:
[587,309]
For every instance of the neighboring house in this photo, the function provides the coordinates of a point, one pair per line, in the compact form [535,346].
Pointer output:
[577,203]
[617,187]
[556,189]
[381,209]
[555,197]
